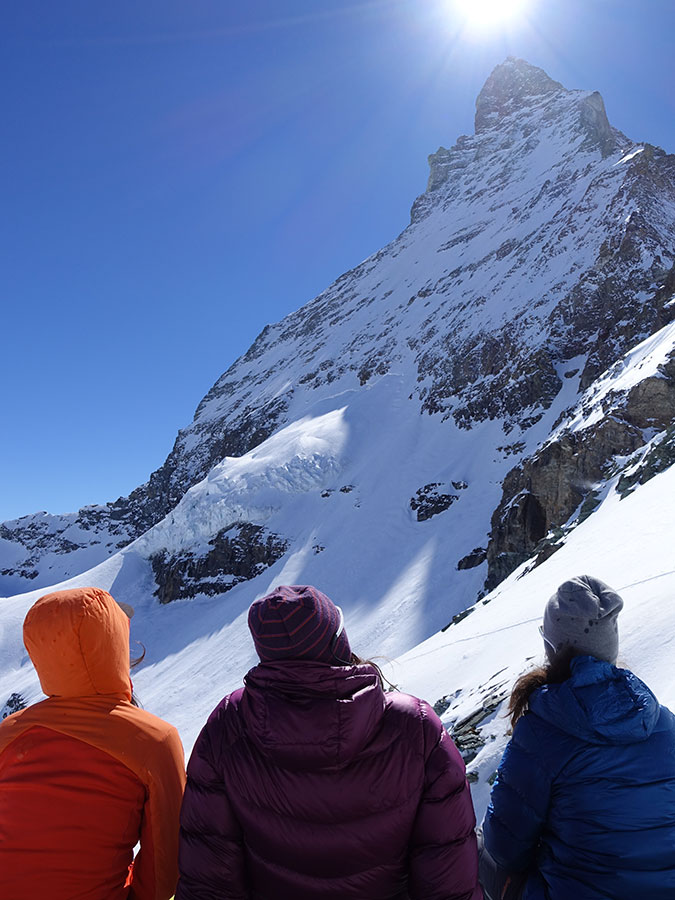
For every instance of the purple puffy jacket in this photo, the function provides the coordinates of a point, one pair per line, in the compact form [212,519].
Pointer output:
[311,783]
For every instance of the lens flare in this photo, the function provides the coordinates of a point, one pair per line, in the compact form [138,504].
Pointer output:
[489,13]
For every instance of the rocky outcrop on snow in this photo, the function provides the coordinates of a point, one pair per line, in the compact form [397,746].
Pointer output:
[237,553]
[631,407]
[541,254]
[14,703]
[659,456]
[435,498]
[43,548]
[543,491]
[510,88]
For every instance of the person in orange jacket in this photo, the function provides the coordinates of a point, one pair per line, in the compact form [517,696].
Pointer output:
[85,775]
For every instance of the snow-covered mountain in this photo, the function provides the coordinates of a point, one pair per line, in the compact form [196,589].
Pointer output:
[494,387]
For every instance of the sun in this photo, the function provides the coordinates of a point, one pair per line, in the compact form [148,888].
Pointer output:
[486,14]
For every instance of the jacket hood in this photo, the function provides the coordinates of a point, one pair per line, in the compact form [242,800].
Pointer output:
[599,704]
[309,715]
[78,641]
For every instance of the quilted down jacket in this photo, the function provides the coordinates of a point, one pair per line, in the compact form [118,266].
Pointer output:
[585,793]
[311,783]
[85,775]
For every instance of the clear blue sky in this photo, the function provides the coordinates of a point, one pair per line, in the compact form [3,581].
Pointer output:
[177,173]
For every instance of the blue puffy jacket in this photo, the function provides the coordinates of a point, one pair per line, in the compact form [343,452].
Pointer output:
[585,794]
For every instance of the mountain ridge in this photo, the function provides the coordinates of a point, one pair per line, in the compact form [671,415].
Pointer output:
[536,247]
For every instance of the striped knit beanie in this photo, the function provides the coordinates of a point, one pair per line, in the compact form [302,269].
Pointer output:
[298,622]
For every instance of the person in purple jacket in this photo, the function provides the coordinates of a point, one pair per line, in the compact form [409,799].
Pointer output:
[312,783]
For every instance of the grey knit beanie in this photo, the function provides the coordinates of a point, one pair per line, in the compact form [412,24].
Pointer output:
[582,614]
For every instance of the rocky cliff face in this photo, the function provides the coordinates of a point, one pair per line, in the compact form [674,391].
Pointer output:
[540,254]
[613,427]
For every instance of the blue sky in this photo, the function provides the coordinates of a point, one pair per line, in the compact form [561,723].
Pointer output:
[177,174]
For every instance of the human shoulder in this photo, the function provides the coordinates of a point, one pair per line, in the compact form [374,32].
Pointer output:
[45,713]
[665,721]
[137,738]
[228,706]
[15,724]
[224,725]
[227,713]
[542,744]
[150,737]
[416,714]
[220,732]
[406,706]
[142,719]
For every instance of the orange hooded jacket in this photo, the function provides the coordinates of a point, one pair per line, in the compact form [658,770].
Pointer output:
[85,775]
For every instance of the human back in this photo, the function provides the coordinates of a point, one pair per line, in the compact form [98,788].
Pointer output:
[323,786]
[85,775]
[584,801]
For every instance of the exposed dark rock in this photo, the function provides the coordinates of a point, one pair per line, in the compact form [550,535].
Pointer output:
[492,375]
[14,703]
[430,500]
[441,705]
[660,456]
[38,534]
[545,550]
[511,86]
[512,449]
[465,734]
[469,742]
[239,552]
[610,313]
[495,375]
[22,571]
[66,546]
[377,363]
[167,486]
[596,125]
[544,490]
[460,616]
[651,403]
[589,506]
[445,702]
[476,558]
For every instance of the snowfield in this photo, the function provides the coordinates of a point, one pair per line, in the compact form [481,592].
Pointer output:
[199,650]
[371,432]
[627,543]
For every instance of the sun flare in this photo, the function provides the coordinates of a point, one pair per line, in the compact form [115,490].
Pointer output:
[489,13]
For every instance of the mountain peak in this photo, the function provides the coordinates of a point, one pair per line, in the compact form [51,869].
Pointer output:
[510,86]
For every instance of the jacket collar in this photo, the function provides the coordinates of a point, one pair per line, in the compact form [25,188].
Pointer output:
[309,715]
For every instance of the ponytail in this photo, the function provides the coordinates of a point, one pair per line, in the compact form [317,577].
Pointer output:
[554,672]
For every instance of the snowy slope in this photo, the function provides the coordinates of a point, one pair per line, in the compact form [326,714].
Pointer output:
[538,248]
[199,649]
[627,543]
[366,443]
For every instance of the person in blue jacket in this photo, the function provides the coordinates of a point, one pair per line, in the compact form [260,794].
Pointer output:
[583,805]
